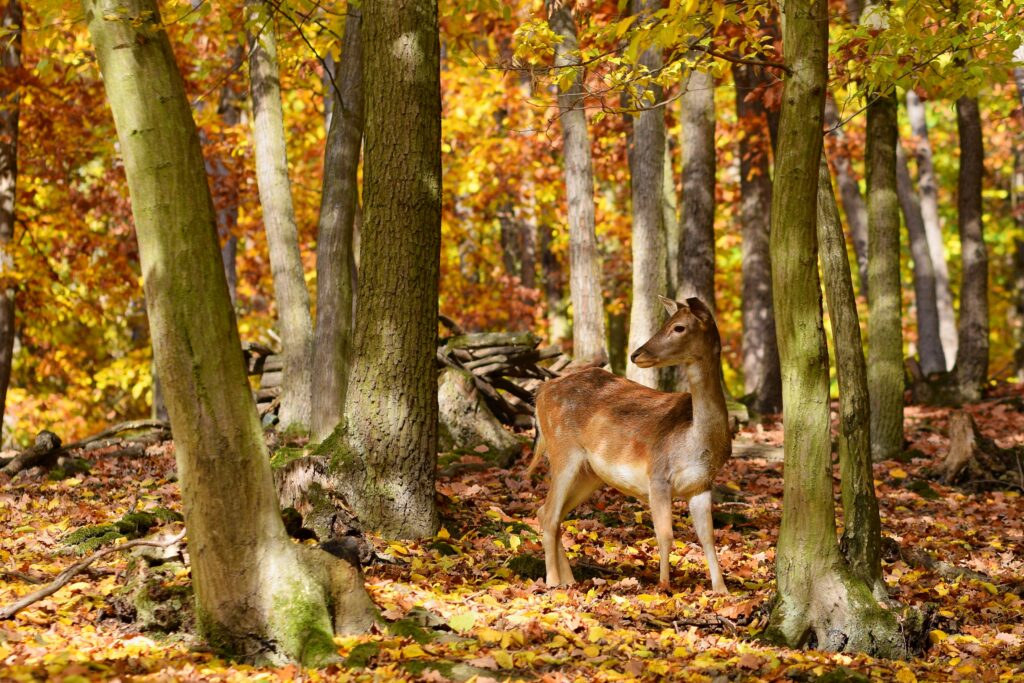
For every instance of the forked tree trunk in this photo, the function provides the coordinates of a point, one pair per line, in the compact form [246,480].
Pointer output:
[588,338]
[885,323]
[761,373]
[647,182]
[972,356]
[819,597]
[335,259]
[928,190]
[849,192]
[862,526]
[10,60]
[290,293]
[384,454]
[929,345]
[258,594]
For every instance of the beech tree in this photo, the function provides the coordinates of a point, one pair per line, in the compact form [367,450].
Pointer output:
[290,293]
[384,454]
[849,192]
[258,594]
[820,598]
[335,258]
[10,60]
[697,211]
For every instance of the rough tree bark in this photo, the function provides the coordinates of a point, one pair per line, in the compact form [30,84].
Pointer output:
[230,111]
[928,189]
[647,182]
[849,192]
[588,338]
[554,288]
[820,600]
[10,60]
[1017,201]
[929,344]
[290,293]
[885,323]
[335,259]
[862,526]
[761,373]
[972,354]
[258,594]
[385,452]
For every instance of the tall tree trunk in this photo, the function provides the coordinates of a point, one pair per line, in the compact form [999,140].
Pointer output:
[554,288]
[885,323]
[929,193]
[385,452]
[293,314]
[1017,201]
[256,591]
[862,526]
[849,191]
[647,182]
[10,61]
[335,258]
[761,372]
[227,209]
[670,219]
[818,594]
[929,345]
[588,335]
[697,219]
[972,355]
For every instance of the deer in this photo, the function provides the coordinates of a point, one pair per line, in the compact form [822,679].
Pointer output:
[599,429]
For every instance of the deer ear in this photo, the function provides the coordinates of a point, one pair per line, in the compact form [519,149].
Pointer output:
[671,306]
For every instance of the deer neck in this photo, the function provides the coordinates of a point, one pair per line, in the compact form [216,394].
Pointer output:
[709,409]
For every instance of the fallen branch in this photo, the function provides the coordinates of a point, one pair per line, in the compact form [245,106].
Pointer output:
[65,576]
[923,560]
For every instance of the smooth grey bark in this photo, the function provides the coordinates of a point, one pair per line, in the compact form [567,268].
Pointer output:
[972,355]
[290,292]
[762,376]
[230,111]
[849,192]
[670,219]
[10,60]
[588,329]
[862,526]
[647,184]
[818,594]
[258,594]
[929,345]
[335,258]
[928,190]
[384,454]
[1017,201]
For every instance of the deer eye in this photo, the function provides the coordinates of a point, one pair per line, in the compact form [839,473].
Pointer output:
[679,329]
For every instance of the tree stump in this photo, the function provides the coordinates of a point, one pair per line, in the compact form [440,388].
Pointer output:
[465,420]
[974,458]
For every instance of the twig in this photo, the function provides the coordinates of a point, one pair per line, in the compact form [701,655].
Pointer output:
[65,576]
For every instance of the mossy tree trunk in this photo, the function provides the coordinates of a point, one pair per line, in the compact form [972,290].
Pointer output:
[335,258]
[647,185]
[588,333]
[849,193]
[10,60]
[761,373]
[290,293]
[258,594]
[385,453]
[972,355]
[862,528]
[820,600]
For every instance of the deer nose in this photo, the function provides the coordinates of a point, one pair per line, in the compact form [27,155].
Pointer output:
[633,356]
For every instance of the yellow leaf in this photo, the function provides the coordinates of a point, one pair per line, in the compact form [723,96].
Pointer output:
[591,650]
[489,635]
[514,542]
[937,636]
[897,473]
[462,622]
[732,485]
[503,658]
[443,534]
[905,675]
[412,651]
[989,587]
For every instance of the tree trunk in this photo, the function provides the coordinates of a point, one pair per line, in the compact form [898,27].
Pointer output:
[290,293]
[588,336]
[885,324]
[10,61]
[335,259]
[385,452]
[1017,202]
[928,190]
[670,219]
[761,373]
[224,181]
[647,182]
[258,594]
[849,191]
[862,527]
[929,344]
[972,354]
[554,289]
[820,600]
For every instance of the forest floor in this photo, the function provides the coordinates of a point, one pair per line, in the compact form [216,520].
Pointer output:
[464,603]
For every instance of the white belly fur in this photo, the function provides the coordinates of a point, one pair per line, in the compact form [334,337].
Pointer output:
[628,478]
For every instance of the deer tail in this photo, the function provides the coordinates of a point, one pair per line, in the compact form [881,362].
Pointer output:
[538,452]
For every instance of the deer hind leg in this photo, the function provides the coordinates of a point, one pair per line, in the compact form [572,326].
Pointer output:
[661,515]
[568,480]
[583,486]
[700,511]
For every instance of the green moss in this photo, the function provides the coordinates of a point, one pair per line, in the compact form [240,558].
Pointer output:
[302,627]
[97,542]
[407,628]
[417,667]
[528,566]
[167,515]
[359,657]
[70,468]
[79,536]
[135,524]
[285,455]
[921,488]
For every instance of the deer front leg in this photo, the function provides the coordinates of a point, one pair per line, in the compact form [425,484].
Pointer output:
[661,515]
[700,511]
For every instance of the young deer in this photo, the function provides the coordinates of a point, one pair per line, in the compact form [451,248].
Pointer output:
[599,429]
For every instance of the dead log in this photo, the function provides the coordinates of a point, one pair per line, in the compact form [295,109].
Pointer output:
[45,453]
[975,459]
[466,421]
